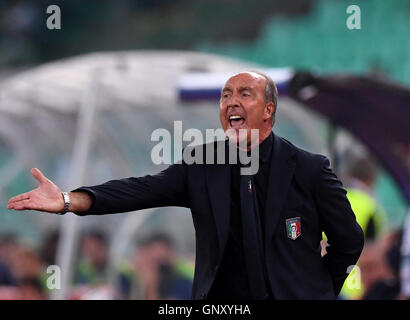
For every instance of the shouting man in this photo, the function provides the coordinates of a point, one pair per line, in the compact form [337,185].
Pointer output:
[257,236]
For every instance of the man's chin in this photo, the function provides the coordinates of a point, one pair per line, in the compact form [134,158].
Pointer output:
[238,137]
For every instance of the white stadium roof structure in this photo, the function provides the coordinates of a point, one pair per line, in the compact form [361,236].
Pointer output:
[87,119]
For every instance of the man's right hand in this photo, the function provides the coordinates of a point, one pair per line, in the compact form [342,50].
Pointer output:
[47,197]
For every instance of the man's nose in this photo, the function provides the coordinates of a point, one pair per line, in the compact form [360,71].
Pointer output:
[233,101]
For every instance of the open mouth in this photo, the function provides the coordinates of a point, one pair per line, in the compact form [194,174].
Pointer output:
[236,121]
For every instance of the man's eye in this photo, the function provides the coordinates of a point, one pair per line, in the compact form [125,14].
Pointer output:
[245,94]
[226,95]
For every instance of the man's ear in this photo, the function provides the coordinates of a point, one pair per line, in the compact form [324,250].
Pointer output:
[269,111]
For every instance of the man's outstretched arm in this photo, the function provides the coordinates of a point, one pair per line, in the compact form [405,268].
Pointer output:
[48,198]
[167,188]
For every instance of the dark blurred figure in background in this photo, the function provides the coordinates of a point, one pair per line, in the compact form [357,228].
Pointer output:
[32,289]
[92,266]
[380,265]
[22,274]
[160,275]
[8,245]
[49,247]
[91,271]
[29,271]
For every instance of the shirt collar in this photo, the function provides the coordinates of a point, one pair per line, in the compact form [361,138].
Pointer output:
[265,148]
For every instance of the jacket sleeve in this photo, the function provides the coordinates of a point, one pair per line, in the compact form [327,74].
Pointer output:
[167,188]
[345,236]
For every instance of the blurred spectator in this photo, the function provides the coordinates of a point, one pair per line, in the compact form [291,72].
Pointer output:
[28,270]
[8,245]
[31,288]
[92,267]
[160,275]
[6,277]
[49,247]
[379,265]
[21,272]
[362,176]
[372,265]
[405,261]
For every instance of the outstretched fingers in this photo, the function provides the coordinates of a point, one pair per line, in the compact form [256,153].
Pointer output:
[21,205]
[20,197]
[22,201]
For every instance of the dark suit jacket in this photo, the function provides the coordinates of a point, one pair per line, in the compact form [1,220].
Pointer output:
[301,184]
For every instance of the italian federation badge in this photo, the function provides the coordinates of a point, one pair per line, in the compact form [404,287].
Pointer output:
[293,227]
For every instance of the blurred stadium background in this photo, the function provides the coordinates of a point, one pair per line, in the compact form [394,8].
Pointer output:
[81,104]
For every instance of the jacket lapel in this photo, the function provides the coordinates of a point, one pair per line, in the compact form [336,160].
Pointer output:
[218,181]
[281,172]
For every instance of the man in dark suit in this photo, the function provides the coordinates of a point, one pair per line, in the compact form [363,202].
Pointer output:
[257,236]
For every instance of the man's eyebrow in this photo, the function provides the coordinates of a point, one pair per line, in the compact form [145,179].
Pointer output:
[240,89]
[245,88]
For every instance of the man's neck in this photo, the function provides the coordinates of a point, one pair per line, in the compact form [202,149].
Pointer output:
[263,135]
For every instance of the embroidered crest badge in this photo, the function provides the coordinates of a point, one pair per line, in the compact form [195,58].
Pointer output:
[293,227]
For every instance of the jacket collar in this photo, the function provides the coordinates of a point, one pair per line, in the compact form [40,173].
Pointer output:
[281,173]
[265,148]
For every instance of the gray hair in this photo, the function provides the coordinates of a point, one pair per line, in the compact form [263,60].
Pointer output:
[271,92]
